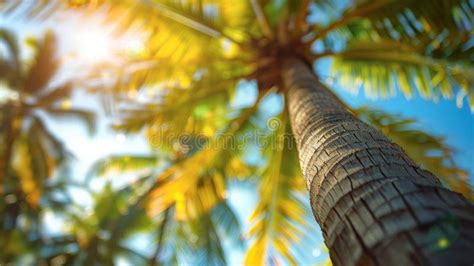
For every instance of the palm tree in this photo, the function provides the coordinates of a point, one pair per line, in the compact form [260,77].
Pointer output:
[366,193]
[103,235]
[30,154]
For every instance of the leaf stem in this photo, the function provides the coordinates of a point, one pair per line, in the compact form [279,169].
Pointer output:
[262,19]
[348,17]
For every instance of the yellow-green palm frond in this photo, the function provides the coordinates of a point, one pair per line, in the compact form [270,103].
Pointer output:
[238,18]
[168,105]
[386,66]
[177,240]
[413,20]
[36,155]
[188,34]
[430,151]
[408,20]
[196,183]
[179,112]
[216,18]
[110,205]
[31,151]
[22,165]
[183,40]
[437,60]
[277,220]
[192,189]
[209,17]
[119,164]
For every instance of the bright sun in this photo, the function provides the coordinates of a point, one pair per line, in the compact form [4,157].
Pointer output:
[97,46]
[93,45]
[94,42]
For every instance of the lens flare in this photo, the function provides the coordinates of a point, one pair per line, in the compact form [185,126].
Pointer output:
[94,45]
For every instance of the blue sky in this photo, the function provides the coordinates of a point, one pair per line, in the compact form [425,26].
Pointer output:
[443,118]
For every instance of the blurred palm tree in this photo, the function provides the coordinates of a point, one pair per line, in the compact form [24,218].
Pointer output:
[106,234]
[30,153]
[198,52]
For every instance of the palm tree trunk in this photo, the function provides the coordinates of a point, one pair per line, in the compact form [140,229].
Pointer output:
[8,132]
[372,202]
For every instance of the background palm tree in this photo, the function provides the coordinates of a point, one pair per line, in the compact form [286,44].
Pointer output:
[206,47]
[30,153]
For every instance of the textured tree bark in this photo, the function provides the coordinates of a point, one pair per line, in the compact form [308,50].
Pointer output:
[375,206]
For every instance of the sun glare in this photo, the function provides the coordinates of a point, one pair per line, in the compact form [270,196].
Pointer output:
[94,41]
[134,46]
[94,45]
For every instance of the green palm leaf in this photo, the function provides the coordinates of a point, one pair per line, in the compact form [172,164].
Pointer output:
[386,66]
[277,219]
[405,20]
[122,164]
[195,240]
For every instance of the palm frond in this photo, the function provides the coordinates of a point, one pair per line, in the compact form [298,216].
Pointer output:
[175,38]
[118,215]
[262,19]
[123,164]
[179,109]
[408,20]
[193,192]
[227,223]
[54,95]
[302,11]
[191,14]
[208,249]
[44,65]
[195,240]
[132,219]
[164,224]
[196,183]
[85,116]
[277,219]
[386,66]
[414,20]
[13,57]
[47,152]
[22,163]
[205,17]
